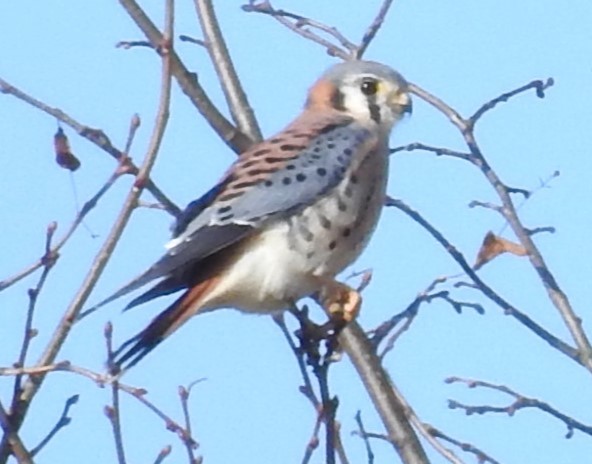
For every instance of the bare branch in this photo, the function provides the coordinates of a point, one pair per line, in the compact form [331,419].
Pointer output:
[100,380]
[481,456]
[373,28]
[60,334]
[408,316]
[233,137]
[538,85]
[299,26]
[127,44]
[520,402]
[551,339]
[383,394]
[113,411]
[539,230]
[186,38]
[486,205]
[134,125]
[438,151]
[313,442]
[163,454]
[12,439]
[559,299]
[95,136]
[54,251]
[363,434]
[190,444]
[48,260]
[236,98]
[63,421]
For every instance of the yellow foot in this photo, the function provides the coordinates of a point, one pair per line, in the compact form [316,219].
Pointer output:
[341,302]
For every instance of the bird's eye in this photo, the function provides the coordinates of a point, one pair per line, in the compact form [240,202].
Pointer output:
[369,87]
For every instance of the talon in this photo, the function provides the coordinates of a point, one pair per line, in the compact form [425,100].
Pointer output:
[341,302]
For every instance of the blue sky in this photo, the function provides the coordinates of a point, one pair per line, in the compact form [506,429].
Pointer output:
[249,408]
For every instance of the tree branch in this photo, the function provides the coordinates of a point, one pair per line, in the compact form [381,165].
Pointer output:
[556,295]
[520,402]
[381,390]
[60,334]
[236,98]
[551,339]
[233,137]
[96,136]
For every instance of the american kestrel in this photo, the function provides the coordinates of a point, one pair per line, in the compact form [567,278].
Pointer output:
[289,215]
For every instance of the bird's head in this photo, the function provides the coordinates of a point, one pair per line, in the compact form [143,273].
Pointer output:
[370,92]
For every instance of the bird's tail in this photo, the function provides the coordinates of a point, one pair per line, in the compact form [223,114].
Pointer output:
[163,325]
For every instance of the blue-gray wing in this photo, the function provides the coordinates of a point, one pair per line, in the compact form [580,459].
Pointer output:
[269,182]
[288,174]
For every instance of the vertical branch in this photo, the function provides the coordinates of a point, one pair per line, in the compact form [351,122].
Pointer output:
[237,100]
[373,28]
[62,331]
[113,411]
[48,260]
[234,138]
[379,386]
[12,441]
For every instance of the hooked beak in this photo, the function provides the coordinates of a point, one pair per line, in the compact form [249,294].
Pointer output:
[401,101]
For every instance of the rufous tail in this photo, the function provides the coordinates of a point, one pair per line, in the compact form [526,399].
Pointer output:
[163,325]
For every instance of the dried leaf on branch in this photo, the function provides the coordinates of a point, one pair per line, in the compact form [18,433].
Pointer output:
[64,156]
[494,246]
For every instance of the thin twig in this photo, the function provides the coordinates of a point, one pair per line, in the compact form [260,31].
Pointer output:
[63,421]
[236,98]
[373,28]
[48,260]
[306,389]
[364,436]
[86,208]
[233,137]
[538,85]
[466,126]
[95,136]
[193,40]
[113,411]
[481,456]
[100,380]
[438,151]
[298,26]
[411,311]
[127,44]
[421,427]
[487,205]
[547,336]
[520,402]
[33,384]
[313,442]
[135,122]
[163,454]
[190,444]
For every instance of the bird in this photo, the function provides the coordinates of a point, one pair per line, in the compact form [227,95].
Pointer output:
[289,214]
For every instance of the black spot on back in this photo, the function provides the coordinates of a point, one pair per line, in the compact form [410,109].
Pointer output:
[291,147]
[262,152]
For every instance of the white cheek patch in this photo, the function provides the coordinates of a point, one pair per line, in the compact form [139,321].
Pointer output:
[355,102]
